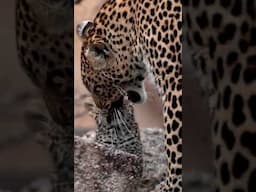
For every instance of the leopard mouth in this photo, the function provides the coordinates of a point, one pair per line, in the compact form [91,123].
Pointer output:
[117,104]
[134,96]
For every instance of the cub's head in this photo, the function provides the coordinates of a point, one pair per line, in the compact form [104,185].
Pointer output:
[112,66]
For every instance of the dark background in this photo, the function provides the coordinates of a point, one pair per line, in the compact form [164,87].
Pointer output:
[21,159]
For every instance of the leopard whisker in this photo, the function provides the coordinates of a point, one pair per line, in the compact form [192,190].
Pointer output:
[116,121]
[119,123]
[123,121]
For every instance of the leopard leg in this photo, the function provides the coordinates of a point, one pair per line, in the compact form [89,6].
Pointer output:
[170,87]
[173,139]
[172,111]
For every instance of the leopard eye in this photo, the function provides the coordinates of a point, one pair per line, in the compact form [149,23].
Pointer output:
[101,53]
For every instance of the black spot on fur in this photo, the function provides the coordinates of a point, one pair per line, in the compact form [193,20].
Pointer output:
[238,116]
[240,165]
[169,128]
[175,125]
[216,20]
[214,79]
[227,136]
[212,47]
[236,73]
[197,38]
[170,113]
[179,148]
[175,139]
[173,157]
[209,2]
[252,183]
[179,115]
[225,3]
[232,58]
[174,102]
[228,33]
[226,97]
[169,5]
[224,173]
[252,106]
[195,3]
[237,7]
[178,172]
[169,141]
[248,140]
[202,20]
[220,68]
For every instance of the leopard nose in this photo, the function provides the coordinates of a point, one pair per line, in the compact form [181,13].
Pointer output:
[134,96]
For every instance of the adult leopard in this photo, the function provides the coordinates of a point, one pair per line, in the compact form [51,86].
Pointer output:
[127,40]
[44,34]
[222,35]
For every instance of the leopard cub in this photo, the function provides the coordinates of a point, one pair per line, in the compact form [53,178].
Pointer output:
[117,127]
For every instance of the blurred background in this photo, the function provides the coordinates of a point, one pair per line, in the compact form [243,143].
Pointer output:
[197,151]
[21,159]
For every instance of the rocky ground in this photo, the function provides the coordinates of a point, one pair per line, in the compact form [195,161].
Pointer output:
[154,165]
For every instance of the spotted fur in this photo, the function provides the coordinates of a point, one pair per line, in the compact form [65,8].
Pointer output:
[44,34]
[222,36]
[127,40]
[45,49]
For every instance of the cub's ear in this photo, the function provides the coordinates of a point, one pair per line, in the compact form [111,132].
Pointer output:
[83,28]
[99,55]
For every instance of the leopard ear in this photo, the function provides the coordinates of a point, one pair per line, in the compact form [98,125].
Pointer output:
[99,55]
[83,28]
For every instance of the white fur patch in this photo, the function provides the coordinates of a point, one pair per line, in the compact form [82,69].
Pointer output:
[81,28]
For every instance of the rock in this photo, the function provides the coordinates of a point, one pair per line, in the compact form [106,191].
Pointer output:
[154,159]
[99,169]
[154,165]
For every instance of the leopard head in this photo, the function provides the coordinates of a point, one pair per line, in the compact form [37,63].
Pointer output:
[111,67]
